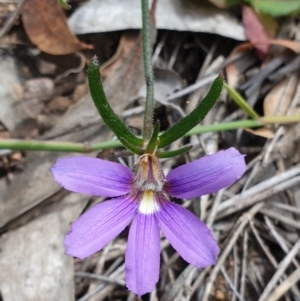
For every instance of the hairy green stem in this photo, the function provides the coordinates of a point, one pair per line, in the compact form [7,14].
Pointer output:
[147,52]
[58,146]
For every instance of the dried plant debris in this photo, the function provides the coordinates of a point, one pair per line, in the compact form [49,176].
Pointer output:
[46,26]
[170,14]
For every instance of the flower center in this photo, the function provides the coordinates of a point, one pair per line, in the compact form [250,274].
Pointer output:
[149,203]
[148,183]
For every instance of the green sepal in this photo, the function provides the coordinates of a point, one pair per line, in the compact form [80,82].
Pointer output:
[152,145]
[109,117]
[170,154]
[185,124]
[132,148]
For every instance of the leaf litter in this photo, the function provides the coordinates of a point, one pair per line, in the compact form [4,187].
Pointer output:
[46,27]
[255,221]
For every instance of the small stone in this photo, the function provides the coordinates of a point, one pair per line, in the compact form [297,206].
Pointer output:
[46,122]
[220,295]
[59,104]
[16,156]
[46,68]
[39,88]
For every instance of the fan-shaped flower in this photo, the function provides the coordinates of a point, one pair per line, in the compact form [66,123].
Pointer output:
[143,198]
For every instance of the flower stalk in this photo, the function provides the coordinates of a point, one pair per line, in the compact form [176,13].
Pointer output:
[147,54]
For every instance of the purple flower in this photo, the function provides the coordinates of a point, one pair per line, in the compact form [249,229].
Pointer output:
[142,197]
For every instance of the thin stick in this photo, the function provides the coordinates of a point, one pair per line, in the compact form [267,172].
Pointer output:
[100,277]
[254,272]
[243,222]
[114,275]
[287,207]
[280,290]
[199,280]
[231,284]
[235,271]
[282,218]
[170,271]
[280,240]
[281,269]
[264,247]
[260,192]
[213,212]
[244,262]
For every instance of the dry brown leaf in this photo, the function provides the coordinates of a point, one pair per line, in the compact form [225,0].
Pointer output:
[292,45]
[45,24]
[276,103]
[263,132]
[128,54]
[279,98]
[231,71]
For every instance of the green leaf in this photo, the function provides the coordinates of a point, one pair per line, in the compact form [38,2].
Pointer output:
[170,154]
[152,145]
[106,112]
[241,102]
[185,124]
[132,148]
[276,8]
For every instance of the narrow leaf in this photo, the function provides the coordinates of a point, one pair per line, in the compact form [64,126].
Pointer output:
[185,124]
[106,112]
[241,102]
[170,154]
[226,126]
[132,148]
[152,145]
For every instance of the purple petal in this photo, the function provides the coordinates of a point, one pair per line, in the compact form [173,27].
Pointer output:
[143,254]
[92,176]
[188,235]
[206,175]
[98,226]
